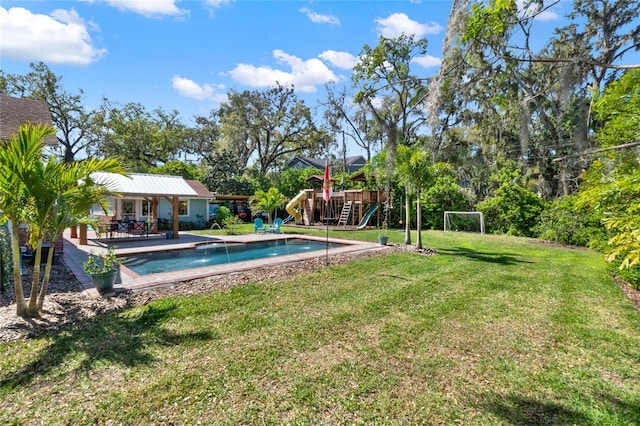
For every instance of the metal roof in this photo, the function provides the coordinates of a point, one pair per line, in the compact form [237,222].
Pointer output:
[139,184]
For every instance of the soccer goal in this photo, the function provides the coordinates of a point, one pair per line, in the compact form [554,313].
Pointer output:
[464,221]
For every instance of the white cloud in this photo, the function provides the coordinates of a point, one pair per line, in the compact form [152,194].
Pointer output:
[61,38]
[342,60]
[218,3]
[427,61]
[533,8]
[191,89]
[304,75]
[397,24]
[317,18]
[213,5]
[148,8]
[547,15]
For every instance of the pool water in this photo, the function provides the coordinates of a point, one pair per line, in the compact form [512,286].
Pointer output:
[216,253]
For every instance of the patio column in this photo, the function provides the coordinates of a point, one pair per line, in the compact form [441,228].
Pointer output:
[175,218]
[155,202]
[83,234]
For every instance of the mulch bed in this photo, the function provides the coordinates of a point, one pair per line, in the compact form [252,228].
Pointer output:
[66,304]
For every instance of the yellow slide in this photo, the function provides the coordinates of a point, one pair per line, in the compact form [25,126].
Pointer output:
[295,201]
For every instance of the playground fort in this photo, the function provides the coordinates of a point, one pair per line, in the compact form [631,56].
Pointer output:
[349,208]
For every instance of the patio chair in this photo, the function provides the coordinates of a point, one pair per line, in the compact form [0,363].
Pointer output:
[276,226]
[139,228]
[258,226]
[123,228]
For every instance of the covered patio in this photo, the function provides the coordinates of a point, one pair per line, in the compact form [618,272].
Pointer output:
[135,211]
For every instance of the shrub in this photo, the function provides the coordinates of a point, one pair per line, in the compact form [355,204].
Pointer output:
[187,225]
[445,194]
[631,275]
[565,222]
[513,210]
[6,260]
[230,224]
[221,214]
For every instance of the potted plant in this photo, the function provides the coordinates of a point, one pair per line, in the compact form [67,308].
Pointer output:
[103,268]
[382,234]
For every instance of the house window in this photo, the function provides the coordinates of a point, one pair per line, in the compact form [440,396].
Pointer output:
[97,209]
[128,209]
[146,208]
[183,208]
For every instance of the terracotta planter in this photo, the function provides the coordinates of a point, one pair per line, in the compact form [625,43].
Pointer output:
[104,282]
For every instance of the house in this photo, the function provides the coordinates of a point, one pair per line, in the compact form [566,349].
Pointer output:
[15,112]
[350,164]
[155,198]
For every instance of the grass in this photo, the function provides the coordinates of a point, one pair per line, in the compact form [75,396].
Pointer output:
[491,330]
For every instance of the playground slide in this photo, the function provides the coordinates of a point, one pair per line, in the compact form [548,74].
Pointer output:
[295,201]
[367,216]
[287,220]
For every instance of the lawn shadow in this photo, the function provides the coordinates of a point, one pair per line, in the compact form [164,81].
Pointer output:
[107,338]
[518,410]
[491,257]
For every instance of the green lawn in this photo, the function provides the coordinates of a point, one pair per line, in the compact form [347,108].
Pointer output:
[491,330]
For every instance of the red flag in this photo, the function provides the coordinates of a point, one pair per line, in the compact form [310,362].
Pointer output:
[326,184]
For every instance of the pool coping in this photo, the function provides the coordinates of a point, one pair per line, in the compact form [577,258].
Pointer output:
[75,254]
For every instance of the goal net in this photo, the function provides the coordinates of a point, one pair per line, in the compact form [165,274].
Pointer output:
[464,221]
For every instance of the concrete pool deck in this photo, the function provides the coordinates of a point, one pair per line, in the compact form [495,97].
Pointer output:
[74,255]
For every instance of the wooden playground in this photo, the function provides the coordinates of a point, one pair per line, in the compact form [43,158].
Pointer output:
[349,208]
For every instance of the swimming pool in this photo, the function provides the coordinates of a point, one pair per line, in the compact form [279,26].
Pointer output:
[216,253]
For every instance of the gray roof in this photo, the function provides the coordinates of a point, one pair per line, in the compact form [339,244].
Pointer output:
[356,161]
[140,184]
[15,112]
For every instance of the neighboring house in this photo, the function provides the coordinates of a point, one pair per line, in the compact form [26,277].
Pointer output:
[155,197]
[351,164]
[15,112]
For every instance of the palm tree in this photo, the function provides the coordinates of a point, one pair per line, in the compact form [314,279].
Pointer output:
[267,201]
[414,172]
[73,193]
[422,176]
[53,195]
[16,160]
[403,173]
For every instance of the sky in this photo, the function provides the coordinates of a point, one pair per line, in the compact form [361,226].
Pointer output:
[185,55]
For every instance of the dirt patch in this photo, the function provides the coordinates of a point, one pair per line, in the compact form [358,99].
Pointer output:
[630,292]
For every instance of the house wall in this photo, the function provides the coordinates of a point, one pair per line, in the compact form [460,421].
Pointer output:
[195,207]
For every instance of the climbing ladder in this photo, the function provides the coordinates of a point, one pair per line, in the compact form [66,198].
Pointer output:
[344,214]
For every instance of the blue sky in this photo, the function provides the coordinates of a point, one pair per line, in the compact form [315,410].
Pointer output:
[186,55]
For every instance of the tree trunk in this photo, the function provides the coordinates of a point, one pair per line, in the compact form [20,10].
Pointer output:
[32,307]
[407,217]
[45,279]
[419,221]
[21,306]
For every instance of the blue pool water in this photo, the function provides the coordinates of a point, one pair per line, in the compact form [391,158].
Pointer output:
[216,253]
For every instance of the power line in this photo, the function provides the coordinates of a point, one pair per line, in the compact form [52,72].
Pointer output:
[595,151]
